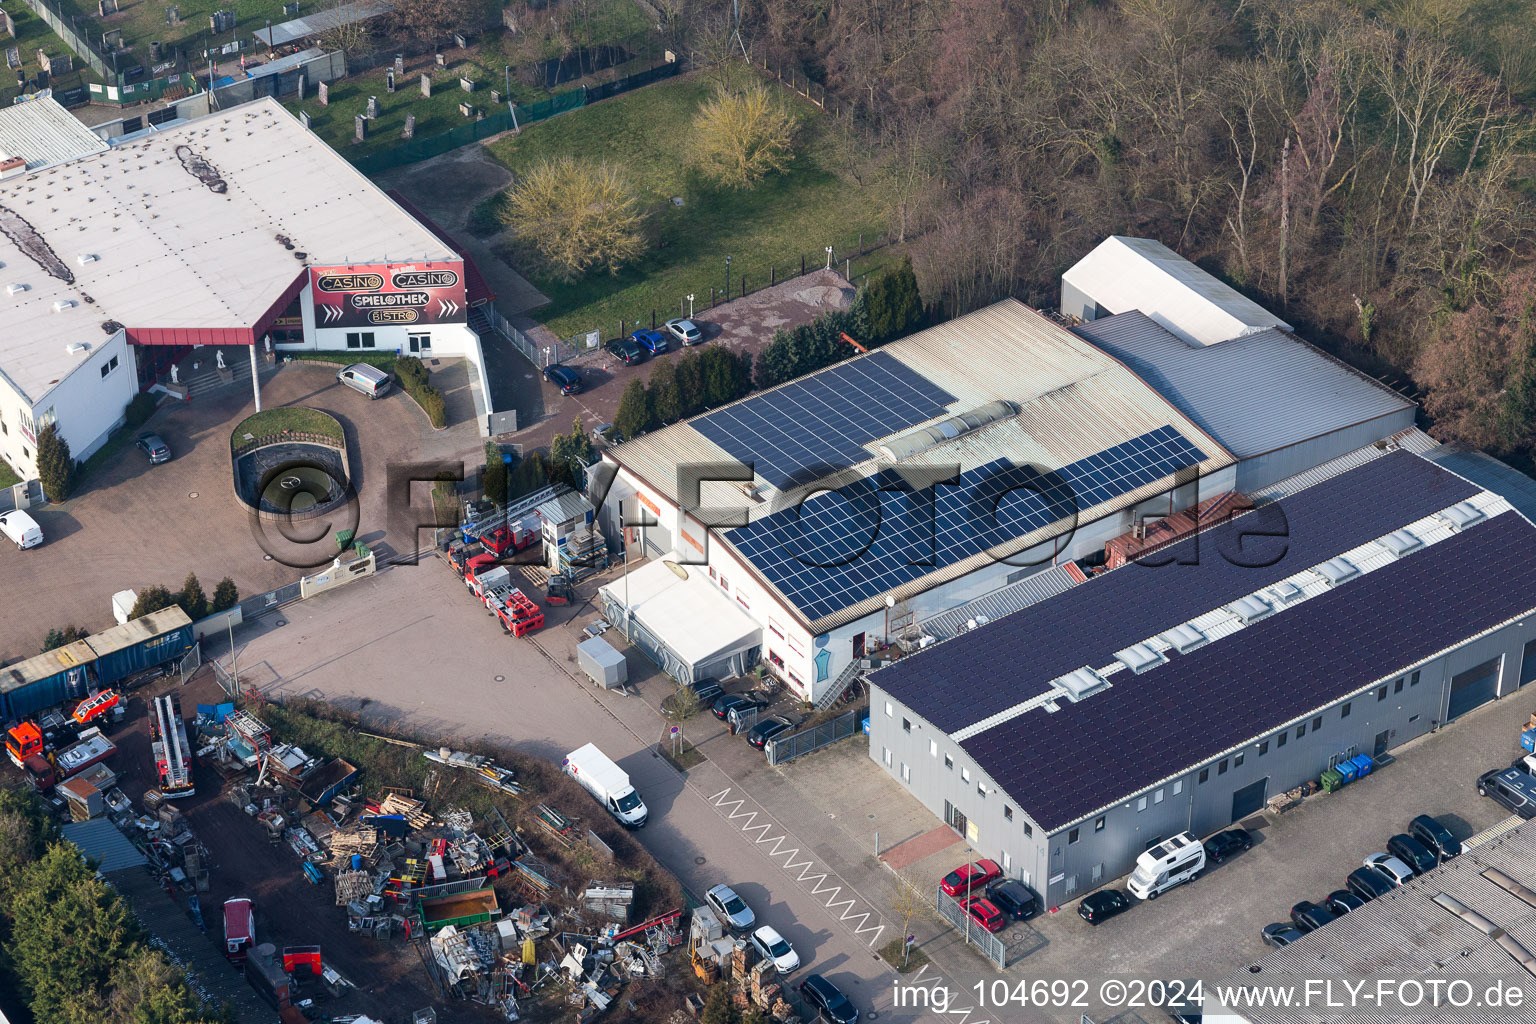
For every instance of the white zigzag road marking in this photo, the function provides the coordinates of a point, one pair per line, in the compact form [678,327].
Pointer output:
[843,908]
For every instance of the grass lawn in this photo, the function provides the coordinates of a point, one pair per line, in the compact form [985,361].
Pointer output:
[142,21]
[33,34]
[294,419]
[891,953]
[774,224]
[8,477]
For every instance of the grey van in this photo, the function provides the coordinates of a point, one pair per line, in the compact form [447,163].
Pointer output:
[1513,787]
[369,380]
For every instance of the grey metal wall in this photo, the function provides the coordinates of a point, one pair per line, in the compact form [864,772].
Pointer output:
[1076,303]
[1061,870]
[1261,471]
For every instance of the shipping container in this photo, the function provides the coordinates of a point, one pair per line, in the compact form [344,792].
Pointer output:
[28,687]
[146,642]
[461,909]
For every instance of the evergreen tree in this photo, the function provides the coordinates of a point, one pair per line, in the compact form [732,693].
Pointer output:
[718,1008]
[191,598]
[666,395]
[225,595]
[531,474]
[892,303]
[151,600]
[57,638]
[55,465]
[634,415]
[493,479]
[690,382]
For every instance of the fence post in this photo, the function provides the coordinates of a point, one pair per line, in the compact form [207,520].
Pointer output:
[802,264]
[743,285]
[772,273]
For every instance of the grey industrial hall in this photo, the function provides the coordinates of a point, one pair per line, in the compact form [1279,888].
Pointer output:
[1183,691]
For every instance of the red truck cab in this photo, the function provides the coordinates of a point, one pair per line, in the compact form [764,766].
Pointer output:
[22,742]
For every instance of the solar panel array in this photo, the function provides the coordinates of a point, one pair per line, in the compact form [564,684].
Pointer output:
[1015,657]
[1146,728]
[811,427]
[840,548]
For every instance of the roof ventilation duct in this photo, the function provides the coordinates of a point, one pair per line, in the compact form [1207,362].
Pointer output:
[1337,570]
[1140,657]
[1286,591]
[1080,683]
[1459,517]
[904,446]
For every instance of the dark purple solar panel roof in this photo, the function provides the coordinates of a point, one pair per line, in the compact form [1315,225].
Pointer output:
[985,671]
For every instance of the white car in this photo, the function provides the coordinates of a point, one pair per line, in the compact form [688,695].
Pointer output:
[1398,872]
[685,331]
[773,946]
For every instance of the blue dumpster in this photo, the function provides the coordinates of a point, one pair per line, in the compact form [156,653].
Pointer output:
[1348,770]
[1363,764]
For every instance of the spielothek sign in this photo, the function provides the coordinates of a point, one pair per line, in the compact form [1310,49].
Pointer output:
[388,294]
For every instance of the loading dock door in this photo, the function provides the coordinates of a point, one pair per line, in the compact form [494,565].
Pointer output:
[1249,799]
[1473,688]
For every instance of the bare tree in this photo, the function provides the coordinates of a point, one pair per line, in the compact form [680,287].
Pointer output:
[909,900]
[742,135]
[1249,90]
[352,38]
[576,217]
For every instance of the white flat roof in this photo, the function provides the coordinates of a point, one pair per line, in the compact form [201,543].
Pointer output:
[202,225]
[43,133]
[1123,273]
[663,601]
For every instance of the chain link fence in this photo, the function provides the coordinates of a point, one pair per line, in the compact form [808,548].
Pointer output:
[993,947]
[787,748]
[65,30]
[415,150]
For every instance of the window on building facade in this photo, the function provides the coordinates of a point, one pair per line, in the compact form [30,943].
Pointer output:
[1072,837]
[1317,723]
[906,773]
[1413,680]
[949,762]
[1157,797]
[1098,825]
[933,748]
[1280,739]
[1415,718]
[1007,813]
[795,679]
[906,725]
[1237,762]
[1141,804]
[778,662]
[1263,747]
[1397,687]
[773,627]
[725,584]
[885,755]
[711,572]
[1221,767]
[359,339]
[965,775]
[981,791]
[1205,774]
[1381,693]
[741,599]
[1301,730]
[1344,711]
[887,709]
[1178,787]
[108,366]
[1029,829]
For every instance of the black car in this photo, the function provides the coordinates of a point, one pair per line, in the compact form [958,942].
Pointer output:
[1309,917]
[828,999]
[565,378]
[154,446]
[1103,905]
[1013,898]
[1279,935]
[726,702]
[1368,884]
[1435,836]
[1413,853]
[1224,844]
[767,729]
[1342,901]
[627,349]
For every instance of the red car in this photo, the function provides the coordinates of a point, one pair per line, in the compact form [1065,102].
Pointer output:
[985,913]
[963,879]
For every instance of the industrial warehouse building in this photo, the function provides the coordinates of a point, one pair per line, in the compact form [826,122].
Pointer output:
[992,400]
[237,231]
[1470,921]
[893,554]
[1183,692]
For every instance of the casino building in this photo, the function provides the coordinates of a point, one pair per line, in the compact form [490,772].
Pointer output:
[238,233]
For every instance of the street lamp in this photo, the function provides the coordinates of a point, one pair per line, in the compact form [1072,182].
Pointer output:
[690,305]
[829,257]
[727,277]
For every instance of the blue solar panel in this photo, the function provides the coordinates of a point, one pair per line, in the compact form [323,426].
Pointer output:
[1088,623]
[811,427]
[1155,725]
[843,547]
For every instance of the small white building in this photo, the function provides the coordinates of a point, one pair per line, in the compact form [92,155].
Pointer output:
[1122,274]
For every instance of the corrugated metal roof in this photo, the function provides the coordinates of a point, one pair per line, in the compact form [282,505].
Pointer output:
[43,133]
[1486,471]
[100,840]
[1123,273]
[1254,394]
[1074,400]
[138,630]
[1406,934]
[564,507]
[1003,601]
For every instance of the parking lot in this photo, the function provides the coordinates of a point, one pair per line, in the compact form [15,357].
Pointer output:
[133,525]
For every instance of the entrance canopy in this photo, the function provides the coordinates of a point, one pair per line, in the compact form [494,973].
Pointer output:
[686,625]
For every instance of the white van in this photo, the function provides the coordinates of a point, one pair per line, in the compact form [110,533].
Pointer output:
[369,380]
[22,529]
[1169,863]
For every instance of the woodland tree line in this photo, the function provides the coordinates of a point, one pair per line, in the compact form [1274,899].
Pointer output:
[1365,169]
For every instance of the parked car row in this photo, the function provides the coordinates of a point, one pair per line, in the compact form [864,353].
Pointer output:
[631,351]
[1001,900]
[1424,846]
[737,916]
[1168,864]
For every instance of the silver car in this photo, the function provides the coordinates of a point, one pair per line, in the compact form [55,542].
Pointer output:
[685,331]
[733,910]
[1395,870]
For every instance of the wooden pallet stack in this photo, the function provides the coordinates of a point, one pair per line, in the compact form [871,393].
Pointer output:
[412,810]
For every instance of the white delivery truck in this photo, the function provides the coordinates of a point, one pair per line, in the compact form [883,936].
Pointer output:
[1169,863]
[607,783]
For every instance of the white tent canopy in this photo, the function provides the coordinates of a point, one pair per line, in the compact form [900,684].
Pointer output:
[691,629]
[1122,274]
